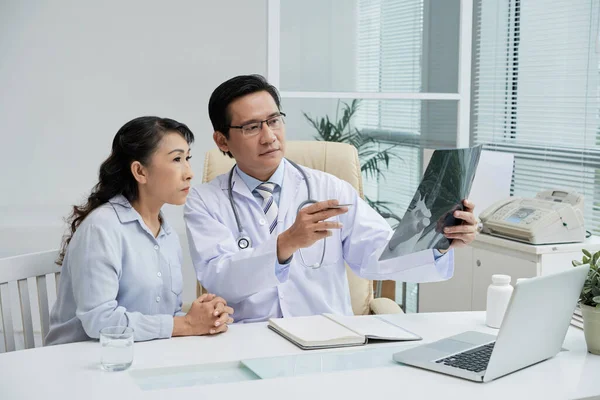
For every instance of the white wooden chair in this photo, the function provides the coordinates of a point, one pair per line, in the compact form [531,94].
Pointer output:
[16,270]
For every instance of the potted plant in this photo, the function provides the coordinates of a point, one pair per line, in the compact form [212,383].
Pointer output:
[589,300]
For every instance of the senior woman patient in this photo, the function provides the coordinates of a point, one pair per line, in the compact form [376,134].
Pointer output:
[121,261]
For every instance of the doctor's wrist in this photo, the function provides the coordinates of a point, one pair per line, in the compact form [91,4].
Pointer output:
[285,249]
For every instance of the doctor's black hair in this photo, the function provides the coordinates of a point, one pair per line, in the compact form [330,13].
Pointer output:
[230,90]
[137,140]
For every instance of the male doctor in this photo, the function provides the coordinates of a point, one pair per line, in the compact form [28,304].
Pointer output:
[267,269]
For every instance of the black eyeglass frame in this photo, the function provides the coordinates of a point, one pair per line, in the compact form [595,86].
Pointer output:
[260,123]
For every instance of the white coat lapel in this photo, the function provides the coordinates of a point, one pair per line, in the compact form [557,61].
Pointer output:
[238,184]
[292,181]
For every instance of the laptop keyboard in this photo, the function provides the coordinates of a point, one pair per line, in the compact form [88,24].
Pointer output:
[475,360]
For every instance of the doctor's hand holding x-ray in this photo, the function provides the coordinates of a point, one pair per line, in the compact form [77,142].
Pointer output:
[464,233]
[417,218]
[268,235]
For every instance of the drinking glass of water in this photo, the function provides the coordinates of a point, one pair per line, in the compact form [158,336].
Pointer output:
[117,347]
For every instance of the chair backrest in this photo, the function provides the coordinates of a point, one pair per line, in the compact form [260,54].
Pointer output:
[338,159]
[17,270]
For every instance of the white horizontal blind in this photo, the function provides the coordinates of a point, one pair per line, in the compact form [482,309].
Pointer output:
[536,94]
[389,53]
[389,59]
[400,183]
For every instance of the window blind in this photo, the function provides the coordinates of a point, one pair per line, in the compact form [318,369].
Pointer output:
[536,94]
[389,52]
[389,57]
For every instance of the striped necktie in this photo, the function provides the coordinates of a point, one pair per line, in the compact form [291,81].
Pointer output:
[269,206]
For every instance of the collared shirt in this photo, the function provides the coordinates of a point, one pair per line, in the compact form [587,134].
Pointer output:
[281,269]
[252,183]
[116,273]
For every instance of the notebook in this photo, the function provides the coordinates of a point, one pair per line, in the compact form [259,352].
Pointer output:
[328,330]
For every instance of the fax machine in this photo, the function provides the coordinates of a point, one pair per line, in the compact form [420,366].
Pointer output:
[553,216]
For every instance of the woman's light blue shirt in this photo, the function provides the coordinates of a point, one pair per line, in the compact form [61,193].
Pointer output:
[115,272]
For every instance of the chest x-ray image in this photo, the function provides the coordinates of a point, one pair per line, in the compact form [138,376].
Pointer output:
[446,182]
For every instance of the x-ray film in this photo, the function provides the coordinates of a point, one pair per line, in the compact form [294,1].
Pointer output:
[446,183]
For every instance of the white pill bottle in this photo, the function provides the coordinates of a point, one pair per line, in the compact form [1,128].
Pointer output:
[498,296]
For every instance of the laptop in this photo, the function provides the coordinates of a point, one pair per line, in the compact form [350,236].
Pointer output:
[533,329]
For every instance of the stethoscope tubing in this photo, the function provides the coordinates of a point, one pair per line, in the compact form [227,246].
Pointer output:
[244,242]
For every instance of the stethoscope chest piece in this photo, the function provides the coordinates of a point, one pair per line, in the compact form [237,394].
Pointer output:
[244,243]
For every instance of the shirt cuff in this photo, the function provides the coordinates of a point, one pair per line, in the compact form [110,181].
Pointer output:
[286,262]
[437,254]
[282,270]
[166,326]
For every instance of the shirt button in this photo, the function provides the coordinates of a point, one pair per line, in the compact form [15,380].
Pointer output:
[157,299]
[262,221]
[281,296]
[159,274]
[155,247]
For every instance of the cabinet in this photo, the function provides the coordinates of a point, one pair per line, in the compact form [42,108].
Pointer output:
[488,255]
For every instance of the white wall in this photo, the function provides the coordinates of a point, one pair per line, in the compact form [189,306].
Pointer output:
[317,53]
[73,72]
[318,45]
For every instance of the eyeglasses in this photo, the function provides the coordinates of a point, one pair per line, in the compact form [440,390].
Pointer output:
[252,129]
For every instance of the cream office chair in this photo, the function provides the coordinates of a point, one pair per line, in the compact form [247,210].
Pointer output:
[338,159]
[16,270]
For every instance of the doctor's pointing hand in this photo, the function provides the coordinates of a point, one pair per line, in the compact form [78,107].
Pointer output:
[309,227]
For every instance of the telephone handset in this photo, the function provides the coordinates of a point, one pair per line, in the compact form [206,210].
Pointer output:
[553,216]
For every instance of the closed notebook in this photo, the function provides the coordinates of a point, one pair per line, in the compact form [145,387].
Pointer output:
[328,330]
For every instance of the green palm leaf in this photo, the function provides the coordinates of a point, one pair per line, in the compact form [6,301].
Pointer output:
[590,293]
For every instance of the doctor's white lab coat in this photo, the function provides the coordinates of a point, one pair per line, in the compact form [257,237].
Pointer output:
[247,279]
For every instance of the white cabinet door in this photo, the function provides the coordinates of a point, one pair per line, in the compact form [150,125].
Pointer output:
[487,263]
[553,263]
[453,294]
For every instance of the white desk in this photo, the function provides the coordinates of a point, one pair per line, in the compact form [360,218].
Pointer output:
[72,371]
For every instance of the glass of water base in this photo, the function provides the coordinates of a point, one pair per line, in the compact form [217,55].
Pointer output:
[117,348]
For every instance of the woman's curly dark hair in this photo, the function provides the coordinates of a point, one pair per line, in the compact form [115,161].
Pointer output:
[135,141]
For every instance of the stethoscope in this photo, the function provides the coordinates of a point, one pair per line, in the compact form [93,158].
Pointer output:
[244,241]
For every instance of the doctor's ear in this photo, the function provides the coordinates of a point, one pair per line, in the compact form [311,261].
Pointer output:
[221,141]
[139,172]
